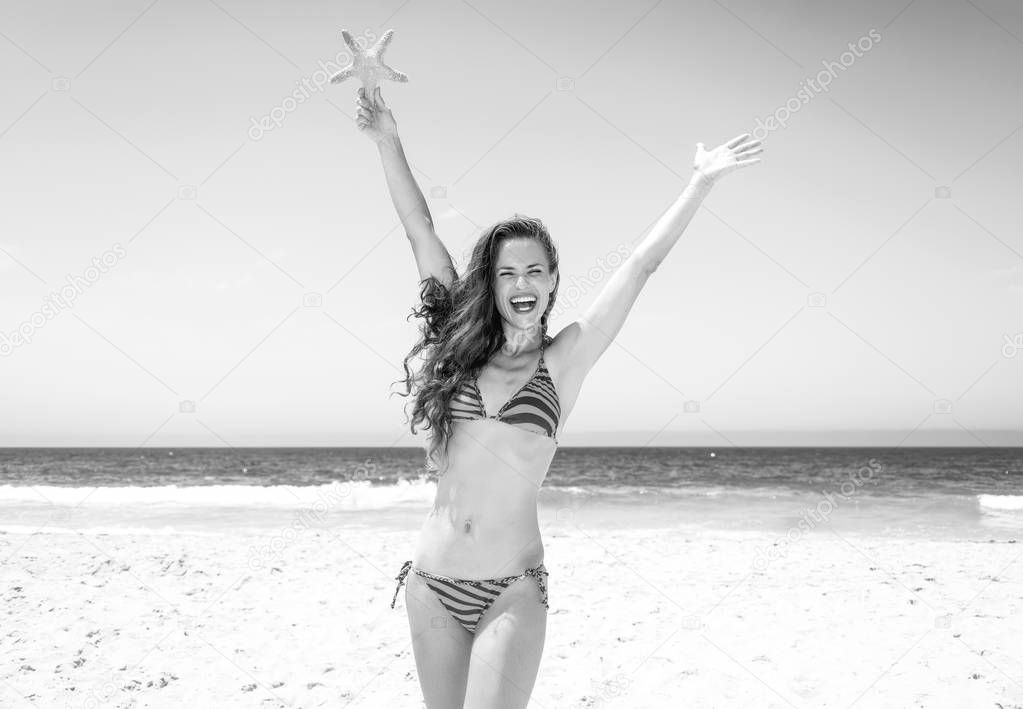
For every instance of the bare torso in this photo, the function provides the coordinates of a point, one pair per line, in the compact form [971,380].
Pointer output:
[483,523]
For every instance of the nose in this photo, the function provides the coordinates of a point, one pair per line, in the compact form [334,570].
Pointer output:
[519,280]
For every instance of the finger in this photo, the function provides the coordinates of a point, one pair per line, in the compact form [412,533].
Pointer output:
[744,163]
[736,140]
[748,146]
[748,153]
[380,99]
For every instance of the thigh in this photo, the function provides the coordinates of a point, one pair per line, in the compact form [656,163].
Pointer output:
[506,649]
[441,646]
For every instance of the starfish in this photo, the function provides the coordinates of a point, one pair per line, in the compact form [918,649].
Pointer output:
[368,64]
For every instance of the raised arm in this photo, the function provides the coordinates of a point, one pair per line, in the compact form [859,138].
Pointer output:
[591,335]
[432,258]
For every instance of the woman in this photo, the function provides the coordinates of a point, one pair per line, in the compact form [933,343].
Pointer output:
[495,391]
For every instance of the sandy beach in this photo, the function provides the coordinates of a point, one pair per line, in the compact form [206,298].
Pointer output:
[639,618]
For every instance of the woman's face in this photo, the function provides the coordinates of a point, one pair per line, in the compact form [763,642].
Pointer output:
[522,274]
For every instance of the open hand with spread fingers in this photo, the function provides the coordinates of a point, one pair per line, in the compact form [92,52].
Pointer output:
[711,165]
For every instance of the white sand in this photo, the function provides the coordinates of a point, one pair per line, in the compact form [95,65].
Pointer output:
[676,618]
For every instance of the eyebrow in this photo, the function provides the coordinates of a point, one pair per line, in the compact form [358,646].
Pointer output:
[501,268]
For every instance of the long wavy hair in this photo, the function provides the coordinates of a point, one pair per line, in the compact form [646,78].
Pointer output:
[462,329]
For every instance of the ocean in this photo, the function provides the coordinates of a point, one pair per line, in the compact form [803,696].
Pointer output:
[973,493]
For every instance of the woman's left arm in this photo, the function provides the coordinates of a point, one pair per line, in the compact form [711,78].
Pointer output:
[708,168]
[592,334]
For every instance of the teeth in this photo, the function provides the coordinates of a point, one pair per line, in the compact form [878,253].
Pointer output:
[523,299]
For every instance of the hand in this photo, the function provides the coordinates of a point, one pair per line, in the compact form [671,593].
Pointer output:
[736,153]
[375,120]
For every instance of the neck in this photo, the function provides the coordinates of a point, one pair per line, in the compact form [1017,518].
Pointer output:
[518,340]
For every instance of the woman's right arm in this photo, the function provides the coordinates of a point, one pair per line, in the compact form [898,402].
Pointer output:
[432,258]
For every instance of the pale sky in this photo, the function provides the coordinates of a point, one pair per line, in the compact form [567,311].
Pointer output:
[126,135]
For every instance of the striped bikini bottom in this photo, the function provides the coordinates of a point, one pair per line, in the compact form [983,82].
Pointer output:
[468,599]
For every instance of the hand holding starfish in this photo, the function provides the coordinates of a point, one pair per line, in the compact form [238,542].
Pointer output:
[375,119]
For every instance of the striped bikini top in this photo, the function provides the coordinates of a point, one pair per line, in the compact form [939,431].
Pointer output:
[535,407]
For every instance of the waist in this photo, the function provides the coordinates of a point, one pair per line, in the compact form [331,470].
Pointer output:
[475,546]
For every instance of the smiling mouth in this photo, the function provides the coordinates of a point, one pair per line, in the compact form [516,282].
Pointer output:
[523,303]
